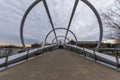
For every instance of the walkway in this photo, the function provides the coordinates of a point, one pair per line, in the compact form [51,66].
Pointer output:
[60,65]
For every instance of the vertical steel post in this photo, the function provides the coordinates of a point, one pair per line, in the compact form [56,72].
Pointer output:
[37,52]
[117,59]
[27,55]
[84,52]
[95,58]
[7,56]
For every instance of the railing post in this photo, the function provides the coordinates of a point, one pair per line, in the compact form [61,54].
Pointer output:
[7,56]
[84,52]
[27,55]
[117,59]
[94,54]
[5,53]
[37,52]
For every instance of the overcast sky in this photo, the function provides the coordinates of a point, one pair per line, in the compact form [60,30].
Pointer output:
[37,25]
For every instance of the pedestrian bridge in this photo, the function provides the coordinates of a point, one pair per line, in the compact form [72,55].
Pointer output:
[53,63]
[60,60]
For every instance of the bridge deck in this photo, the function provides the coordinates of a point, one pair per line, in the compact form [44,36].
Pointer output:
[60,65]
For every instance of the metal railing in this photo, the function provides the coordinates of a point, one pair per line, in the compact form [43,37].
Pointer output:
[9,59]
[26,54]
[12,51]
[97,56]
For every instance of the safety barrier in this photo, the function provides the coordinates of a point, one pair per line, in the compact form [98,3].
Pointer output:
[108,60]
[28,53]
[96,56]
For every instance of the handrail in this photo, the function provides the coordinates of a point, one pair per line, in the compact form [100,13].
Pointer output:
[97,56]
[8,59]
[87,53]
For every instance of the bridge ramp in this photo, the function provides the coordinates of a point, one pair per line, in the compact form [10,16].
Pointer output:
[60,65]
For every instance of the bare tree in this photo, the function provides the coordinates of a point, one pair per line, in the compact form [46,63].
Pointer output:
[111,19]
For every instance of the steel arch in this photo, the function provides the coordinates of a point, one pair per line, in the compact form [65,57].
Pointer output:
[98,18]
[24,18]
[59,37]
[96,14]
[75,6]
[26,14]
[45,41]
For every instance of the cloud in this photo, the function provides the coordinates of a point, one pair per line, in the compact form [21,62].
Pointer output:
[37,25]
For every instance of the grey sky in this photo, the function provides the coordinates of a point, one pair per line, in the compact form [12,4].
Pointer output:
[84,24]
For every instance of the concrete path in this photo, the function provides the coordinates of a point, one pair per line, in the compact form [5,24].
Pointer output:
[60,65]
